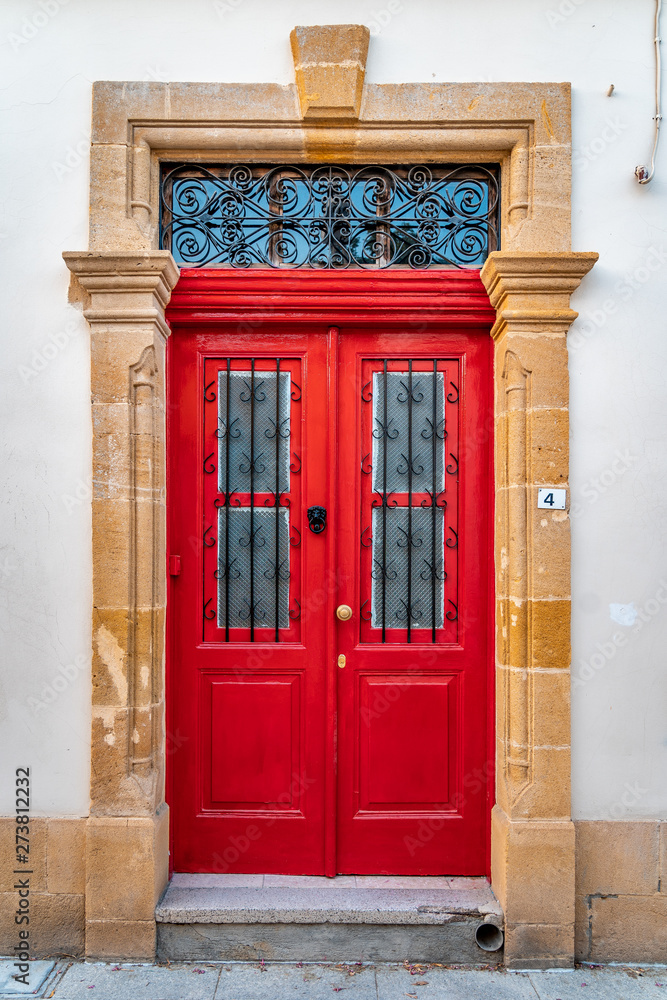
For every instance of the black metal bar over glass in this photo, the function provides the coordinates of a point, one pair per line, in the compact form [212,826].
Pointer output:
[329,216]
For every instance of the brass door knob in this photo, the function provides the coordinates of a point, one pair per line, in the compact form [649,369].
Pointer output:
[344,612]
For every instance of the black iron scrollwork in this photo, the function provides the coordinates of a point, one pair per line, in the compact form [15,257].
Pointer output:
[410,533]
[329,216]
[253,430]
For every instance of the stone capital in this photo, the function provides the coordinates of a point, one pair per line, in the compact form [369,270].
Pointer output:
[530,291]
[123,288]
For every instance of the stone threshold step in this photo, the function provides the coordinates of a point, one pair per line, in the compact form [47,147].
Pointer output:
[345,919]
[192,899]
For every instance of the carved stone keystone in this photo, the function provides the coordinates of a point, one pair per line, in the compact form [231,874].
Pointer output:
[330,65]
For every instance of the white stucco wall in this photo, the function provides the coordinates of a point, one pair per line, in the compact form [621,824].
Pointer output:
[51,51]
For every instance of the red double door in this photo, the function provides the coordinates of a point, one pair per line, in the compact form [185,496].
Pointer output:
[328,670]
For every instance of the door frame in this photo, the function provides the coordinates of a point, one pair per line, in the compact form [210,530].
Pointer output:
[123,283]
[364,299]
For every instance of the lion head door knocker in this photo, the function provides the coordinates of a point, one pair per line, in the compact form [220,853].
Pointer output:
[317,519]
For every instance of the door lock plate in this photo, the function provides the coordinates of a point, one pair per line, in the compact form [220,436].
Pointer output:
[341,660]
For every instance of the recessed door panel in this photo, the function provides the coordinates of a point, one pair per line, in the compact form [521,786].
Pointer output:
[254,742]
[406,740]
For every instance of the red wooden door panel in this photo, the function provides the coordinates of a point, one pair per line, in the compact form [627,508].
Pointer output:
[413,548]
[247,679]
[298,743]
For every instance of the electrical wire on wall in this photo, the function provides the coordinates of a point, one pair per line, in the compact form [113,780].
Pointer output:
[642,173]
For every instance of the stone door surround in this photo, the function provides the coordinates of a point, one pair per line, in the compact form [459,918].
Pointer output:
[124,282]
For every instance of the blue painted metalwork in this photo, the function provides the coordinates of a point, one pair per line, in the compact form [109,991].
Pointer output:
[330,216]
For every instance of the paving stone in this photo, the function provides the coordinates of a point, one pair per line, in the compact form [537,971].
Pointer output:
[97,981]
[397,983]
[599,984]
[37,975]
[312,982]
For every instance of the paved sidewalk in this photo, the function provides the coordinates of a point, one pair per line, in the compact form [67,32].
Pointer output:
[246,981]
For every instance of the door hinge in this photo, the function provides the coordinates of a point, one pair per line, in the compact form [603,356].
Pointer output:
[174,565]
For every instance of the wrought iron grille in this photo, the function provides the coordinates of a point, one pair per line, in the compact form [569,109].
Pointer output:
[410,499]
[332,216]
[249,471]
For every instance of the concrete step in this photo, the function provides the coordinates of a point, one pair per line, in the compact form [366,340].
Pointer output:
[349,918]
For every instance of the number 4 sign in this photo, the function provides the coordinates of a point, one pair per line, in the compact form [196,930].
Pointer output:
[553,499]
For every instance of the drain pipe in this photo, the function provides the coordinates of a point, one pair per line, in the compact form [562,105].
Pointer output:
[488,935]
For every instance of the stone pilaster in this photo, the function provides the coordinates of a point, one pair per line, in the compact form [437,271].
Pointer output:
[532,832]
[124,296]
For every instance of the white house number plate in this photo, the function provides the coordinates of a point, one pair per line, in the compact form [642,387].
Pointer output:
[552,499]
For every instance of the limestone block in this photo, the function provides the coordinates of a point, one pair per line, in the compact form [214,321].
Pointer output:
[111,553]
[544,355]
[551,722]
[114,351]
[232,101]
[549,624]
[111,451]
[629,928]
[114,103]
[114,789]
[539,946]
[56,924]
[617,856]
[110,226]
[582,943]
[549,448]
[330,64]
[120,940]
[534,865]
[65,856]
[37,855]
[124,875]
